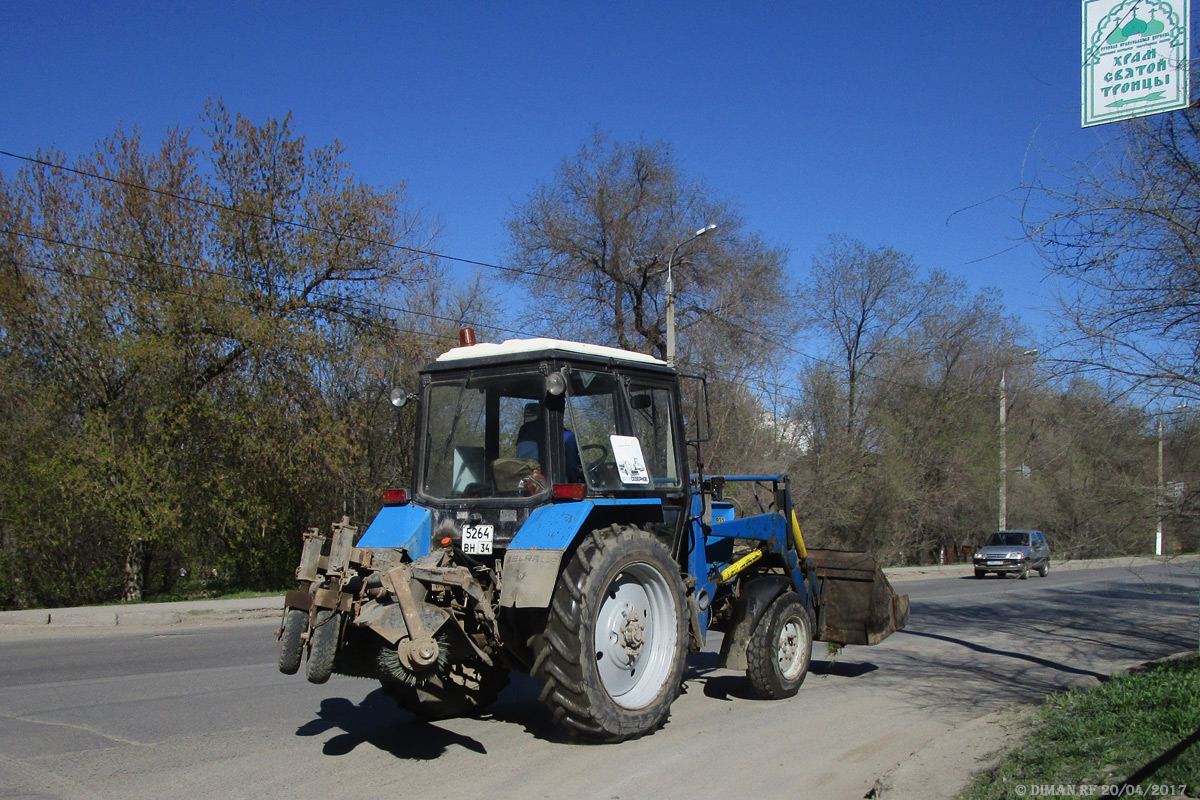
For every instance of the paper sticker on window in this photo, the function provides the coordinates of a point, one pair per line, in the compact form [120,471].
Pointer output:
[627,452]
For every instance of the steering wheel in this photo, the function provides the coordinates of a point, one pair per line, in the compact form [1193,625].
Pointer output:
[598,460]
[599,465]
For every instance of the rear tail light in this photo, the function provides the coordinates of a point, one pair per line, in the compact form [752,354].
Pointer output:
[569,491]
[395,497]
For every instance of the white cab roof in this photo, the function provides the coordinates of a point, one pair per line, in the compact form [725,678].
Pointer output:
[517,346]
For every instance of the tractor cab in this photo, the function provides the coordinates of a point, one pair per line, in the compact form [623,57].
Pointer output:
[507,428]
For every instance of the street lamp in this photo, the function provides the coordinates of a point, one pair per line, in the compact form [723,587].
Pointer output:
[1004,445]
[671,292]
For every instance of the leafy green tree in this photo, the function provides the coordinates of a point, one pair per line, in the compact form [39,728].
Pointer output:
[199,341]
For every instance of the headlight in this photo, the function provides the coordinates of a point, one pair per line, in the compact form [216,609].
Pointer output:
[1017,556]
[979,556]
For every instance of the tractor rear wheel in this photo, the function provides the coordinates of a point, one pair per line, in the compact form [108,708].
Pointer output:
[780,649]
[612,656]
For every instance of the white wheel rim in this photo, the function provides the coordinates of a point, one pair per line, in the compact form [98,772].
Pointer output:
[792,651]
[635,635]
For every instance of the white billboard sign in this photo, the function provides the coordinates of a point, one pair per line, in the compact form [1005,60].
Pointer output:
[1135,58]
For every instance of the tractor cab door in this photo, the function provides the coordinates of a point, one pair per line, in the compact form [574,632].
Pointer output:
[626,429]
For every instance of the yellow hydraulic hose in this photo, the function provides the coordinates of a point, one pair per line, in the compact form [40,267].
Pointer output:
[798,537]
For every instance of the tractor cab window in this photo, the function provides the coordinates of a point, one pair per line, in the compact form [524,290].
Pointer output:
[485,437]
[623,432]
[651,414]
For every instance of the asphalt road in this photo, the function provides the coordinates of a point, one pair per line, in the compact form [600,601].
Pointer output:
[201,710]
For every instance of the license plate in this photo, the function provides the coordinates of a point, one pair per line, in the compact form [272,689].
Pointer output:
[990,563]
[477,539]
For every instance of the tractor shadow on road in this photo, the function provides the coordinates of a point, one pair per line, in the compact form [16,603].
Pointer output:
[842,669]
[724,684]
[378,722]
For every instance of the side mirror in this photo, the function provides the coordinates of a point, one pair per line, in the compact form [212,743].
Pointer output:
[401,396]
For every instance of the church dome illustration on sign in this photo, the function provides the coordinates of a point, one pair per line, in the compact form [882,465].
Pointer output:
[1134,58]
[1136,27]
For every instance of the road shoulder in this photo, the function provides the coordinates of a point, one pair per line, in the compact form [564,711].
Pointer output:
[940,768]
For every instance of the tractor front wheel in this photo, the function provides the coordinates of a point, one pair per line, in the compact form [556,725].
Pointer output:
[612,656]
[780,649]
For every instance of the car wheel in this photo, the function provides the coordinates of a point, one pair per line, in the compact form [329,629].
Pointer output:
[1044,569]
[981,573]
[1024,573]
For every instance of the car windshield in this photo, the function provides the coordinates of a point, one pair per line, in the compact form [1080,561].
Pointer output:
[1008,539]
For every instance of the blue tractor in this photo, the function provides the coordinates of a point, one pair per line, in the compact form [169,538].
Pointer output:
[554,526]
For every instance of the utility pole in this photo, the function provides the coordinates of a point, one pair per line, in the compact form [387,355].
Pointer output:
[1003,454]
[1003,521]
[1158,534]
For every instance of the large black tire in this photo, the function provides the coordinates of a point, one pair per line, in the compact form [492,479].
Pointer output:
[464,691]
[780,649]
[612,656]
[323,644]
[1044,569]
[291,640]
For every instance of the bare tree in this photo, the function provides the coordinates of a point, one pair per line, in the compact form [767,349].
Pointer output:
[1124,231]
[593,245]
[900,411]
[864,301]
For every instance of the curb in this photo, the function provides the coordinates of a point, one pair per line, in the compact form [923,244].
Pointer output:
[966,570]
[144,614]
[271,606]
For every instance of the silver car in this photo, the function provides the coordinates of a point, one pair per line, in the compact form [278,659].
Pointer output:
[1013,552]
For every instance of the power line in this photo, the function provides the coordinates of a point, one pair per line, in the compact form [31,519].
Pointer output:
[279,221]
[418,251]
[364,240]
[792,392]
[360,302]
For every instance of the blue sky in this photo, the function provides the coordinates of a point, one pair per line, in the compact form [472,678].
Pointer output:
[894,123]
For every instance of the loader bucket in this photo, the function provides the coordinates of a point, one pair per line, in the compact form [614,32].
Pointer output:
[856,604]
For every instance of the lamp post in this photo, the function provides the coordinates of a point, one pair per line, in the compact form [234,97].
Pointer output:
[671,292]
[1004,445]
